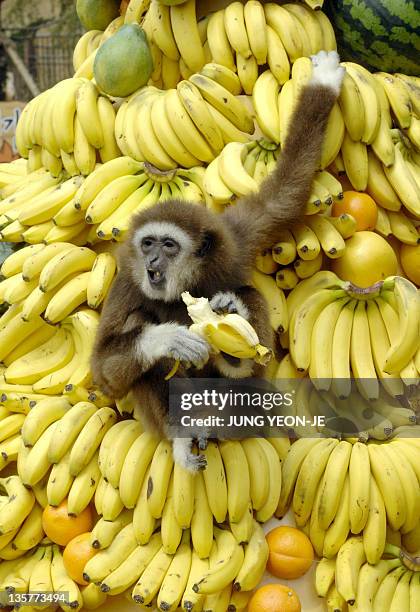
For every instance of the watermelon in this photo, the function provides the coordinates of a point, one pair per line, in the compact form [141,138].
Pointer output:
[380,34]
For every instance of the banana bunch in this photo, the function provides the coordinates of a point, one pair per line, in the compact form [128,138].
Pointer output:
[138,473]
[19,338]
[229,333]
[43,361]
[85,46]
[336,487]
[375,158]
[42,571]
[350,579]
[13,173]
[300,252]
[177,41]
[151,487]
[117,190]
[399,224]
[10,438]
[404,174]
[245,37]
[16,506]
[274,101]
[53,281]
[65,127]
[154,576]
[353,416]
[240,37]
[184,126]
[241,168]
[61,450]
[40,209]
[15,544]
[371,335]
[401,92]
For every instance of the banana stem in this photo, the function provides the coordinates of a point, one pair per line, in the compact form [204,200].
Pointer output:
[160,176]
[363,293]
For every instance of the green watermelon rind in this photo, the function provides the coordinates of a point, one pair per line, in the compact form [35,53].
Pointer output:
[380,34]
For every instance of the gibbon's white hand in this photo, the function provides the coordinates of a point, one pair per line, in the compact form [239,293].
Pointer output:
[187,347]
[327,70]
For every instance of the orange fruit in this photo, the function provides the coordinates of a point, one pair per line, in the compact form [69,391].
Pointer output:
[410,262]
[367,259]
[75,556]
[291,553]
[361,206]
[274,598]
[60,527]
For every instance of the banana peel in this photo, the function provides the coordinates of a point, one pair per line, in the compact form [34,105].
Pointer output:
[227,333]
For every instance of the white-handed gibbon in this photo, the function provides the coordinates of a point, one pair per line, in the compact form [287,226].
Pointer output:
[175,247]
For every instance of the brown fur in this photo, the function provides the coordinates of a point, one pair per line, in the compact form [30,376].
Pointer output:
[233,238]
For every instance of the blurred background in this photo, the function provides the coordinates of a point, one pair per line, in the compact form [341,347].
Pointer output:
[43,34]
[36,46]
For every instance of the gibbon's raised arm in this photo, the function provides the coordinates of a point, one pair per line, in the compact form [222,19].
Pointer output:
[282,197]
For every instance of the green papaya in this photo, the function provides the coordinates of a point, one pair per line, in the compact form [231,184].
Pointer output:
[97,14]
[124,62]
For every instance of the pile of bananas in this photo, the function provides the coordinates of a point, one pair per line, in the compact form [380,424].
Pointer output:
[53,281]
[42,570]
[340,487]
[186,126]
[386,585]
[42,208]
[389,584]
[65,126]
[374,157]
[239,37]
[241,167]
[46,358]
[112,194]
[138,474]
[80,453]
[208,128]
[149,574]
[372,334]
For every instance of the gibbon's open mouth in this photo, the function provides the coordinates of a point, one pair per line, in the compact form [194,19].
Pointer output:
[155,277]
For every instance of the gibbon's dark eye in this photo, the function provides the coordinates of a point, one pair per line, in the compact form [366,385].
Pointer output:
[170,246]
[146,244]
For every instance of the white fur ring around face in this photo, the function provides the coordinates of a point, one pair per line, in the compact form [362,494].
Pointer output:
[327,70]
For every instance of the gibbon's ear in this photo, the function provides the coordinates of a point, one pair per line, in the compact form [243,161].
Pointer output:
[206,245]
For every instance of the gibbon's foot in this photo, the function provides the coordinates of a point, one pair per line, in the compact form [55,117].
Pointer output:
[327,70]
[228,303]
[202,442]
[181,448]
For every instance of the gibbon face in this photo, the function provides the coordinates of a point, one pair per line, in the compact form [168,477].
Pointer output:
[165,260]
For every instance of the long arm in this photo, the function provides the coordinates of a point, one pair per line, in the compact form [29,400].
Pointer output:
[283,196]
